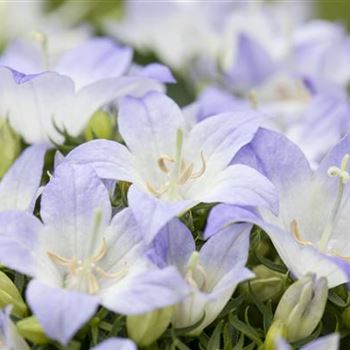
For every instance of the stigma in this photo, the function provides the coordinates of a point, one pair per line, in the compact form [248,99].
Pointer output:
[177,170]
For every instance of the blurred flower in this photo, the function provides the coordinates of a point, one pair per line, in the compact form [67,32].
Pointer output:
[212,273]
[80,258]
[52,101]
[310,231]
[173,169]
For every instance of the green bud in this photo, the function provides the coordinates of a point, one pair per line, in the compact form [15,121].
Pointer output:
[100,126]
[9,295]
[302,306]
[346,317]
[147,328]
[30,329]
[267,284]
[10,146]
[276,331]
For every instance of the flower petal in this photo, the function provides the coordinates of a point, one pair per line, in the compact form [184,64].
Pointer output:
[18,241]
[110,159]
[146,292]
[60,312]
[70,204]
[152,213]
[19,186]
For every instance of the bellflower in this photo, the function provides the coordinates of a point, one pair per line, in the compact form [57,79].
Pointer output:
[310,231]
[90,61]
[173,169]
[292,105]
[170,39]
[51,100]
[212,273]
[19,186]
[9,336]
[80,258]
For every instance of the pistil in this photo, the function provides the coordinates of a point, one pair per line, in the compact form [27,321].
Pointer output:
[344,177]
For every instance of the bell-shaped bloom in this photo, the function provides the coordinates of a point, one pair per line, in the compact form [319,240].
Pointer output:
[9,336]
[329,342]
[212,273]
[90,61]
[116,344]
[292,105]
[19,186]
[310,231]
[173,169]
[79,257]
[52,101]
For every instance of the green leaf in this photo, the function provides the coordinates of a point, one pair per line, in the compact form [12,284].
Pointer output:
[214,342]
[247,330]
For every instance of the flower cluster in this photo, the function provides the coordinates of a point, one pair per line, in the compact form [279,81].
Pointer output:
[211,216]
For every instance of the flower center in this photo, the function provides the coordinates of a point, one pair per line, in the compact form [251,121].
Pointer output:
[196,275]
[343,178]
[85,275]
[177,170]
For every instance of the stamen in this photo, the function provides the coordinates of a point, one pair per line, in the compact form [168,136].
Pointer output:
[185,175]
[111,275]
[161,163]
[296,233]
[154,191]
[202,170]
[59,259]
[343,175]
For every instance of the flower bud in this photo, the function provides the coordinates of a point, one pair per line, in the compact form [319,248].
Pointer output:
[267,284]
[276,331]
[10,146]
[147,328]
[9,295]
[100,126]
[302,305]
[30,329]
